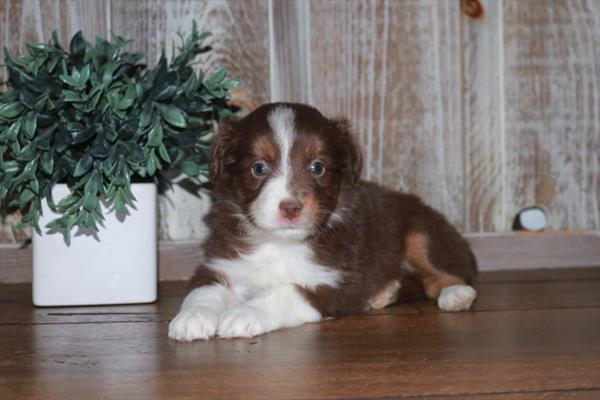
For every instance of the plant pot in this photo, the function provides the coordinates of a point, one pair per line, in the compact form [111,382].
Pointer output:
[116,265]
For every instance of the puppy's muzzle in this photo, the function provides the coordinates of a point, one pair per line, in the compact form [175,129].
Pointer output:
[290,208]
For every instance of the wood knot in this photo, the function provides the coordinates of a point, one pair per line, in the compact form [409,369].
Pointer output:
[472,8]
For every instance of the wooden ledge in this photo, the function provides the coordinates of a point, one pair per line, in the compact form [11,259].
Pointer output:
[494,251]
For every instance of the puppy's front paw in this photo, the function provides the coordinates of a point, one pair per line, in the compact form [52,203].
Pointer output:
[193,323]
[242,321]
[456,298]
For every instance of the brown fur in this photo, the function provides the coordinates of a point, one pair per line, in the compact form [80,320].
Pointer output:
[205,276]
[380,229]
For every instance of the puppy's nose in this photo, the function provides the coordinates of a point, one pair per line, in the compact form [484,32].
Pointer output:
[290,208]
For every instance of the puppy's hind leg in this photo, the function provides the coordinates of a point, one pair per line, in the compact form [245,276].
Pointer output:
[445,277]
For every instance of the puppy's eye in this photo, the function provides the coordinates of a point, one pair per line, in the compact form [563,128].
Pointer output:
[260,169]
[317,168]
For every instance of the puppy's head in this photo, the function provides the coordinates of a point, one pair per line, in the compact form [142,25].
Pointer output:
[284,166]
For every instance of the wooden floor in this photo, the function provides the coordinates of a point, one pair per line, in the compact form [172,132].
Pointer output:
[531,335]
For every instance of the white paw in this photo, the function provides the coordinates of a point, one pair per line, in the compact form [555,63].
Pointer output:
[193,323]
[456,298]
[242,321]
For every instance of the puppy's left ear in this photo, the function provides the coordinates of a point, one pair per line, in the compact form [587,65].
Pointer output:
[349,149]
[222,151]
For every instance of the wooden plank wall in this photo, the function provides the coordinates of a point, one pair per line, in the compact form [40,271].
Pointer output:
[479,114]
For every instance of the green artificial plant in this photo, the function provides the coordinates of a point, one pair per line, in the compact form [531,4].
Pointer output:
[97,119]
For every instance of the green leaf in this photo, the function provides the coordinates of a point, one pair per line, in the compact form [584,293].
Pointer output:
[128,98]
[167,93]
[85,75]
[72,80]
[153,163]
[53,63]
[189,167]
[94,183]
[10,167]
[77,45]
[216,78]
[90,202]
[26,196]
[231,84]
[29,170]
[120,208]
[110,133]
[84,165]
[47,162]
[12,131]
[155,136]
[66,202]
[99,150]
[27,153]
[173,115]
[71,96]
[11,110]
[83,135]
[56,224]
[162,150]
[135,152]
[108,70]
[95,98]
[146,117]
[30,124]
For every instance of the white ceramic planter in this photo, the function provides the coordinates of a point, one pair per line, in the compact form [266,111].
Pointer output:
[118,265]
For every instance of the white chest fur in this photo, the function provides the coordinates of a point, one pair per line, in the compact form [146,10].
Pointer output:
[274,263]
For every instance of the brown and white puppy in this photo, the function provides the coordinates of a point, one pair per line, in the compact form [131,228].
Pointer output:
[296,236]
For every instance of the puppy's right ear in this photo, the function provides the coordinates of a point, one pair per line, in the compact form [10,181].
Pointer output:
[223,147]
[350,150]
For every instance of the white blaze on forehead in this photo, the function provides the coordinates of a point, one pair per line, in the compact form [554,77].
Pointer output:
[265,209]
[282,123]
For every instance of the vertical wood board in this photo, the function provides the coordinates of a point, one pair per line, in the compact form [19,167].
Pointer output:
[393,68]
[552,97]
[483,103]
[290,50]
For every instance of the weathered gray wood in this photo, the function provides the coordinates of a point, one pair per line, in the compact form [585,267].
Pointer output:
[552,97]
[484,132]
[394,69]
[479,116]
[290,50]
[240,37]
[497,251]
[34,20]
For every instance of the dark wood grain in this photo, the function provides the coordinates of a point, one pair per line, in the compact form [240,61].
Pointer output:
[540,275]
[390,355]
[531,335]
